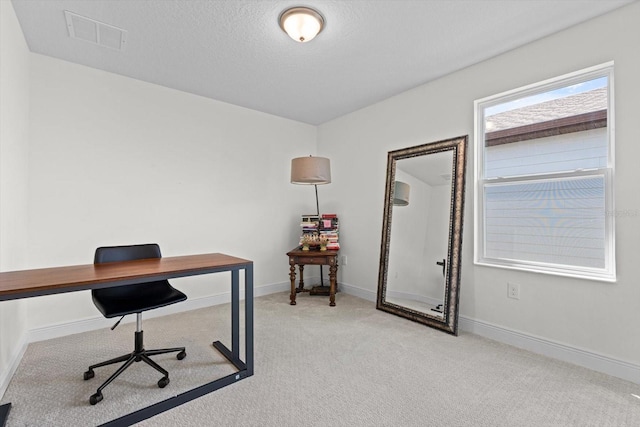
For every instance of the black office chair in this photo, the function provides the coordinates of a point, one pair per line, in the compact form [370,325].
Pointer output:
[128,299]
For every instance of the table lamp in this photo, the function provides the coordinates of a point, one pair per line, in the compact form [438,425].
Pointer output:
[311,171]
[401,193]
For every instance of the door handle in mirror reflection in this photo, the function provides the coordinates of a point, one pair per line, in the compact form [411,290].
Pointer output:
[443,263]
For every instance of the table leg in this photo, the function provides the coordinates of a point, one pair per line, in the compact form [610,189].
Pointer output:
[292,276]
[301,284]
[333,269]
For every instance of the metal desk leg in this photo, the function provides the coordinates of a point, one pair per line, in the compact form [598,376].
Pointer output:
[248,318]
[235,314]
[233,355]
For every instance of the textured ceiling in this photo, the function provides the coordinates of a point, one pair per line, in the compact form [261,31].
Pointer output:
[234,51]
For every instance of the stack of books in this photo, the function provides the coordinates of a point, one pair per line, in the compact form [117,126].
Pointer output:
[309,225]
[329,226]
[325,224]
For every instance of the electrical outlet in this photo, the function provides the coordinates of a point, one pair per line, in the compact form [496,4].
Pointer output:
[344,260]
[513,290]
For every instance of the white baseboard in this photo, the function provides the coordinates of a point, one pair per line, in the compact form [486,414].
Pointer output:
[577,356]
[365,294]
[272,289]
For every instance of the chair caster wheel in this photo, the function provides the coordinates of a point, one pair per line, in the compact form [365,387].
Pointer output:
[162,383]
[89,374]
[95,398]
[181,355]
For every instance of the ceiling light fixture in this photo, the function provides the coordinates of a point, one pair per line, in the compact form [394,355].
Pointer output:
[301,23]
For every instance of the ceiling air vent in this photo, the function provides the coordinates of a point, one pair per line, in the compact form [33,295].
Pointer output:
[96,32]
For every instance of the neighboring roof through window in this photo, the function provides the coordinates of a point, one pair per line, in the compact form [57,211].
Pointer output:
[573,113]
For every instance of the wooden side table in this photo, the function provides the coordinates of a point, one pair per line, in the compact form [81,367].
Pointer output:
[312,257]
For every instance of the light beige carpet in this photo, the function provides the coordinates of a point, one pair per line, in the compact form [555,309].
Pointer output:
[349,365]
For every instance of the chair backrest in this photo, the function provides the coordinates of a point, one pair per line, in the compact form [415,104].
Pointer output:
[126,253]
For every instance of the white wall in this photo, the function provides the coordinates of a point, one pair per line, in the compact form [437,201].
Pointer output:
[117,161]
[14,114]
[602,318]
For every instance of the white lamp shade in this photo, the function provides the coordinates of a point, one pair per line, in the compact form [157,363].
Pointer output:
[401,193]
[310,170]
[301,24]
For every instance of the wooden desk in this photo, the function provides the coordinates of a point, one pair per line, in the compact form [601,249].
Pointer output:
[46,281]
[312,257]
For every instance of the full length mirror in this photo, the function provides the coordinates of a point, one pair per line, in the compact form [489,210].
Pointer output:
[419,274]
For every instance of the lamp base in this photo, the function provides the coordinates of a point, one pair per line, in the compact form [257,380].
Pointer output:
[320,290]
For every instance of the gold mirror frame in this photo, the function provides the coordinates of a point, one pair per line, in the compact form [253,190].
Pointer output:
[448,321]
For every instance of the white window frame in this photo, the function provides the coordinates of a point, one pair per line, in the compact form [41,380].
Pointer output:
[608,273]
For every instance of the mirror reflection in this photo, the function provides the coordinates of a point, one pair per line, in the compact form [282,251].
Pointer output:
[422,232]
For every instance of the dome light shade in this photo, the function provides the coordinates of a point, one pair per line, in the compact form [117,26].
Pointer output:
[301,23]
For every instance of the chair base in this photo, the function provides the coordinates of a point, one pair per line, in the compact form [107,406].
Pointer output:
[138,355]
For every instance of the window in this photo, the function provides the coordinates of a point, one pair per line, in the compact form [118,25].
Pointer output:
[544,177]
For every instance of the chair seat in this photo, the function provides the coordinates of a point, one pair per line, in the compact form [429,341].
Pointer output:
[136,299]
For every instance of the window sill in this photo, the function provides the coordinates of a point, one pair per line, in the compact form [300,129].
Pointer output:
[553,271]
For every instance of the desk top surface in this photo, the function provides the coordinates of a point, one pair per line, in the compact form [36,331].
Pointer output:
[43,281]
